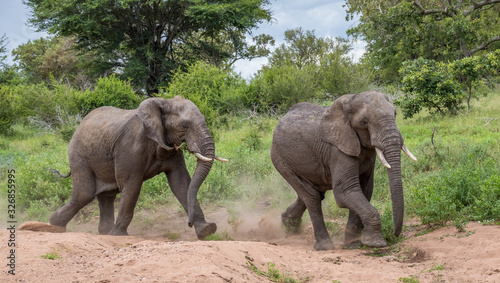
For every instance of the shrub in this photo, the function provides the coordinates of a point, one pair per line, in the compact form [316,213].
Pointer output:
[281,87]
[43,102]
[109,91]
[428,84]
[6,110]
[464,188]
[213,90]
[42,190]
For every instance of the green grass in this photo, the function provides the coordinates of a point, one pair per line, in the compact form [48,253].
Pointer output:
[456,178]
[273,274]
[51,256]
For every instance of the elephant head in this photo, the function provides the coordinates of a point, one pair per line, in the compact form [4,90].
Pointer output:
[368,120]
[169,123]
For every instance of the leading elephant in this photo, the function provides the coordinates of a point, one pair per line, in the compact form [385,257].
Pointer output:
[317,149]
[114,151]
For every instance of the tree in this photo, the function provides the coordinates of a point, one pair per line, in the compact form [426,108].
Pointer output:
[396,30]
[145,39]
[442,87]
[3,50]
[332,71]
[55,58]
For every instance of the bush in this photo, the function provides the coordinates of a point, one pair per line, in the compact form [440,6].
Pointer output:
[464,189]
[6,111]
[213,90]
[42,190]
[43,102]
[109,91]
[428,84]
[281,87]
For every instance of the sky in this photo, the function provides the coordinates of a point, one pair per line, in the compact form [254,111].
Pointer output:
[325,17]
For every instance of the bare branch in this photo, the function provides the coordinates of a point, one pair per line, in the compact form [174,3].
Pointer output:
[482,46]
[444,11]
[477,5]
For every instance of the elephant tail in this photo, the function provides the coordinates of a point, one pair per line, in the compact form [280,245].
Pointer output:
[59,173]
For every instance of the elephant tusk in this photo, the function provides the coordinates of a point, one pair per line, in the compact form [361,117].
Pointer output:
[177,146]
[221,159]
[407,151]
[380,155]
[201,157]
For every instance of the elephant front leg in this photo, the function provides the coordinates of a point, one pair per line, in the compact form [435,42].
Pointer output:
[355,226]
[360,207]
[179,180]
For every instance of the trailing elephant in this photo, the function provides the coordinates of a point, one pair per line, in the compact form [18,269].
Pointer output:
[317,149]
[114,151]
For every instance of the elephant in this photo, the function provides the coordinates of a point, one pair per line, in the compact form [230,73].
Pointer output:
[321,148]
[114,151]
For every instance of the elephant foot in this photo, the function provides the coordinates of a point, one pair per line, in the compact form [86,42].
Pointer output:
[352,245]
[373,239]
[324,244]
[291,224]
[204,230]
[352,238]
[118,232]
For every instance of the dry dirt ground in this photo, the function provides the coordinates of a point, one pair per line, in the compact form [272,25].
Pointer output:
[166,251]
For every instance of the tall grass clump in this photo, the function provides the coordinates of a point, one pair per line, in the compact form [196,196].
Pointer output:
[456,177]
[41,191]
[464,188]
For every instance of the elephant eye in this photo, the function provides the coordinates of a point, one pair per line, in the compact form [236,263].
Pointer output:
[184,126]
[364,123]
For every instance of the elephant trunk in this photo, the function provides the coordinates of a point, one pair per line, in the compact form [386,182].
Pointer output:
[207,149]
[396,185]
[389,152]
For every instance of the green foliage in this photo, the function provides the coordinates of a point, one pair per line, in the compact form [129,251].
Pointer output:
[55,58]
[51,256]
[411,279]
[42,101]
[397,31]
[213,90]
[42,191]
[7,113]
[442,87]
[141,40]
[306,68]
[109,91]
[430,85]
[464,189]
[282,87]
[272,273]
[388,225]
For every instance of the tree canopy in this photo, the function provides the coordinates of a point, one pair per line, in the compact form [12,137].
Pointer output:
[146,39]
[441,30]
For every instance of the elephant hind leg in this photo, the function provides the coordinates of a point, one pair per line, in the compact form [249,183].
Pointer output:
[292,216]
[309,197]
[106,212]
[81,195]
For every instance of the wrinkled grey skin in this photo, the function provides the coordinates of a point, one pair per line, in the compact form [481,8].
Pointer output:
[114,151]
[323,148]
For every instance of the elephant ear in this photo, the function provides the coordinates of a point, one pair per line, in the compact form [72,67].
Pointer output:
[336,128]
[150,111]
